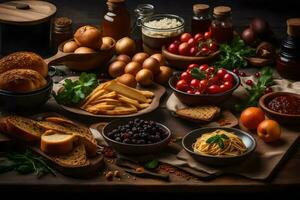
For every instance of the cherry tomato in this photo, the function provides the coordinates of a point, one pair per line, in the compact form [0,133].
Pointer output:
[213,89]
[192,42]
[173,48]
[207,35]
[177,42]
[191,66]
[213,46]
[213,80]
[210,70]
[193,51]
[203,85]
[222,88]
[228,77]
[198,37]
[221,73]
[236,71]
[195,83]
[184,49]
[186,76]
[185,37]
[190,92]
[182,85]
[228,85]
[203,67]
[249,82]
[242,74]
[205,51]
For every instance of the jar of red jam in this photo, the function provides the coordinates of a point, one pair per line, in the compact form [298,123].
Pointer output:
[288,62]
[221,26]
[201,19]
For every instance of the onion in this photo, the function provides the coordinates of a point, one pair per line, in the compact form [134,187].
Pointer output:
[88,36]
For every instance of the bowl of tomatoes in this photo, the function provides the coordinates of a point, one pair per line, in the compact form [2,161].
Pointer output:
[187,49]
[204,85]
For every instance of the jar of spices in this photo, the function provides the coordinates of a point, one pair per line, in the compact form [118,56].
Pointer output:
[201,19]
[288,62]
[116,22]
[142,11]
[221,26]
[62,30]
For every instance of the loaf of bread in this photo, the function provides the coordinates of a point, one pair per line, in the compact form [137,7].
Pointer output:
[24,60]
[22,80]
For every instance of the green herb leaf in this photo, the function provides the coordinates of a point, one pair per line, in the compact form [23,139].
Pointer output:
[217,139]
[213,139]
[224,137]
[153,164]
[197,74]
[221,144]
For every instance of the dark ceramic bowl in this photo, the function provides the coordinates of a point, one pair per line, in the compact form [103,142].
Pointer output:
[24,101]
[192,136]
[134,149]
[203,99]
[279,117]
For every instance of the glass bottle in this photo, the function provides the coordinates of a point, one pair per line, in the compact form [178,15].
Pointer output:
[142,11]
[221,26]
[201,19]
[61,31]
[116,22]
[288,61]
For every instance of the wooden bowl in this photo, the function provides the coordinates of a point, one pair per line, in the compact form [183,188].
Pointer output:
[134,149]
[202,99]
[81,62]
[182,62]
[191,137]
[279,117]
[258,62]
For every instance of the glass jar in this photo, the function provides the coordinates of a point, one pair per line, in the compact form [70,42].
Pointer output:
[62,30]
[221,26]
[116,22]
[161,29]
[142,11]
[201,19]
[288,61]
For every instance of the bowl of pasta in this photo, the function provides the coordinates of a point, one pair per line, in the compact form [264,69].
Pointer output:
[219,146]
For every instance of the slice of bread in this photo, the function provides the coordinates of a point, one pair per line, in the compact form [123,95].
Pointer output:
[83,133]
[23,128]
[57,143]
[75,158]
[201,114]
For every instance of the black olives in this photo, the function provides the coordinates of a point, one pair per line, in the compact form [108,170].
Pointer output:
[138,131]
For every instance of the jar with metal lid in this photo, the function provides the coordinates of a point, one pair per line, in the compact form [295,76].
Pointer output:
[288,62]
[142,11]
[116,22]
[221,26]
[201,19]
[62,30]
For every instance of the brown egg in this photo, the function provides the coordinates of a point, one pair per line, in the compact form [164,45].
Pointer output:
[70,47]
[123,58]
[140,57]
[127,79]
[116,68]
[164,75]
[160,58]
[133,68]
[126,46]
[84,50]
[152,64]
[144,77]
[109,41]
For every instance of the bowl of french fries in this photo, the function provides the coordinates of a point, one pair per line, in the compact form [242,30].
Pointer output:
[114,99]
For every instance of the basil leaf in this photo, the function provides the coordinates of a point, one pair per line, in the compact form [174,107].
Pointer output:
[224,137]
[221,144]
[197,74]
[153,164]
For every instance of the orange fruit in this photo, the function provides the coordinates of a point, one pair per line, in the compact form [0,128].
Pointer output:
[251,117]
[269,130]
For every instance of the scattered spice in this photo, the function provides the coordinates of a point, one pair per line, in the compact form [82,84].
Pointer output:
[170,169]
[109,176]
[117,174]
[140,169]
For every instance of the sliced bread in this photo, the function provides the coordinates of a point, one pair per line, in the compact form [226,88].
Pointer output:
[23,128]
[57,143]
[201,114]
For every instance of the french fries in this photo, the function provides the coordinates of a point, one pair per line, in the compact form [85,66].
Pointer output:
[113,98]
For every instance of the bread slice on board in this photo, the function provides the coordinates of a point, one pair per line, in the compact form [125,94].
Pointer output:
[201,114]
[57,143]
[22,128]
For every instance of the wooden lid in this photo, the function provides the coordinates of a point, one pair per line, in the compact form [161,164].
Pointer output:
[222,10]
[200,8]
[26,12]
[293,26]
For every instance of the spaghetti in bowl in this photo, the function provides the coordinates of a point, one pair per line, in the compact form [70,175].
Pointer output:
[219,146]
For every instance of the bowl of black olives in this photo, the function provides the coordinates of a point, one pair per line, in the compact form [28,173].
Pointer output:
[136,136]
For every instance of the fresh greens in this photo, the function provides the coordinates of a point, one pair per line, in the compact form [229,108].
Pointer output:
[153,164]
[74,92]
[25,163]
[232,55]
[217,139]
[257,90]
[197,74]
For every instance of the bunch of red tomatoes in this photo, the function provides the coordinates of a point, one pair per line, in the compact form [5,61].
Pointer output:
[199,45]
[205,79]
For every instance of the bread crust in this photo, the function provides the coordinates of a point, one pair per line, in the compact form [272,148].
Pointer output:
[24,60]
